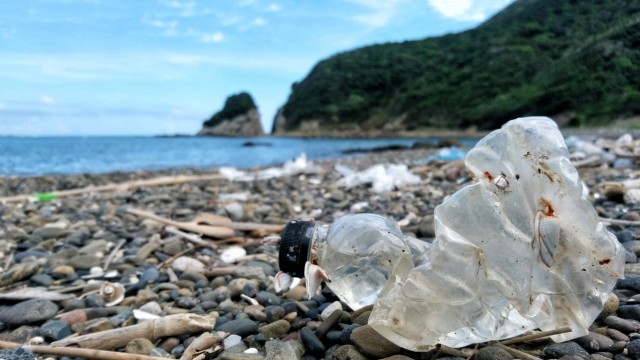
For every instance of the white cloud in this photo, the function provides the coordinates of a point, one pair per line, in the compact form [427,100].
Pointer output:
[47,100]
[274,7]
[259,22]
[467,10]
[216,37]
[169,27]
[377,13]
[2,106]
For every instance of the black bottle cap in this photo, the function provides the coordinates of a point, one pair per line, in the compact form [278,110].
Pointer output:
[294,246]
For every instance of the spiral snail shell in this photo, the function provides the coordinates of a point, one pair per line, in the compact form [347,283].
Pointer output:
[112,293]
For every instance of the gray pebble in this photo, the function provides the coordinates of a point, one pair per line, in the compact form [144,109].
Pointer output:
[274,313]
[567,348]
[140,346]
[348,352]
[158,352]
[28,311]
[185,302]
[55,330]
[84,262]
[42,280]
[277,350]
[633,348]
[311,341]
[266,298]
[275,329]
[629,312]
[492,353]
[235,211]
[242,327]
[346,333]
[624,325]
[372,343]
[17,354]
[49,232]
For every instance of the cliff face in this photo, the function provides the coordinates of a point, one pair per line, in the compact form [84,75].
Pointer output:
[578,61]
[247,124]
[239,117]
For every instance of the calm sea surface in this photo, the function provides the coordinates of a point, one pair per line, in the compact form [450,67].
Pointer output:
[28,156]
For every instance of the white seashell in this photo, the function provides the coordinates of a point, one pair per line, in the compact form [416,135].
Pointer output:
[314,275]
[251,351]
[112,293]
[232,254]
[94,272]
[143,315]
[282,281]
[295,282]
[548,236]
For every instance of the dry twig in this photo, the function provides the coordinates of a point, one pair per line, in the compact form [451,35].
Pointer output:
[78,352]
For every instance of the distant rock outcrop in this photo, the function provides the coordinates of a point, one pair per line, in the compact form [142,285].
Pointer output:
[238,117]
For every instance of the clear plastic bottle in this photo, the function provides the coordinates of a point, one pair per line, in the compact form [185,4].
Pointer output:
[518,249]
[359,252]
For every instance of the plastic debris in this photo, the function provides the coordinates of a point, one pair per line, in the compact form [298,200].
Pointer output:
[447,154]
[521,248]
[382,177]
[299,165]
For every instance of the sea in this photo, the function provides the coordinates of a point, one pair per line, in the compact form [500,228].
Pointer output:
[32,156]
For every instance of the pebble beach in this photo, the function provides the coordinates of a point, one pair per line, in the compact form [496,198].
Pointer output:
[83,270]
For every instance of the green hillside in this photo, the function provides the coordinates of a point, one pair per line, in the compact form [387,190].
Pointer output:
[576,60]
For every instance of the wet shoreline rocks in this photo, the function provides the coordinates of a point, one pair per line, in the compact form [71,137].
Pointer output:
[66,250]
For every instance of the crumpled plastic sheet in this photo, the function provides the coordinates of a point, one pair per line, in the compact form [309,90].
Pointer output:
[382,177]
[299,165]
[519,249]
[446,154]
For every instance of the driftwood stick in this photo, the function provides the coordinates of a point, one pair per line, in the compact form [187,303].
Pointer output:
[113,253]
[171,325]
[518,354]
[78,352]
[536,336]
[164,180]
[209,230]
[171,259]
[455,352]
[190,237]
[204,342]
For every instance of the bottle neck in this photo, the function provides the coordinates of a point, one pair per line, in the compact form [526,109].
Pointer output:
[318,241]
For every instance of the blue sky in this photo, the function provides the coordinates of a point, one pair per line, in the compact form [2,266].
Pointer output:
[150,67]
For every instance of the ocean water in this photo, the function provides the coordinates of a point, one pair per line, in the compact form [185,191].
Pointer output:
[30,156]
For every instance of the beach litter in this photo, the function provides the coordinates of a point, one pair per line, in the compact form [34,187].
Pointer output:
[382,177]
[297,166]
[519,249]
[446,154]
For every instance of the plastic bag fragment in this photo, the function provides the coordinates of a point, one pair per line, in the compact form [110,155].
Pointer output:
[382,177]
[519,249]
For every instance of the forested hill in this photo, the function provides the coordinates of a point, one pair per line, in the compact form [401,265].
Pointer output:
[576,60]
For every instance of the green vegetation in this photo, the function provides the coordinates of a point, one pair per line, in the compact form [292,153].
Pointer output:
[235,105]
[577,60]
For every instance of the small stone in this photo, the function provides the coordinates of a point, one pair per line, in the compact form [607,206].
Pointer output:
[255,312]
[277,350]
[362,319]
[84,262]
[602,342]
[22,353]
[231,341]
[610,306]
[266,298]
[159,352]
[241,327]
[185,302]
[297,293]
[346,333]
[624,325]
[42,280]
[337,195]
[235,211]
[311,341]
[140,346]
[633,348]
[55,330]
[152,307]
[336,305]
[566,348]
[616,335]
[49,232]
[329,322]
[629,312]
[63,270]
[275,329]
[372,343]
[28,311]
[492,353]
[348,352]
[185,263]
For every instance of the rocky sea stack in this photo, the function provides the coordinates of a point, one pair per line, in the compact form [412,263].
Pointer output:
[238,117]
